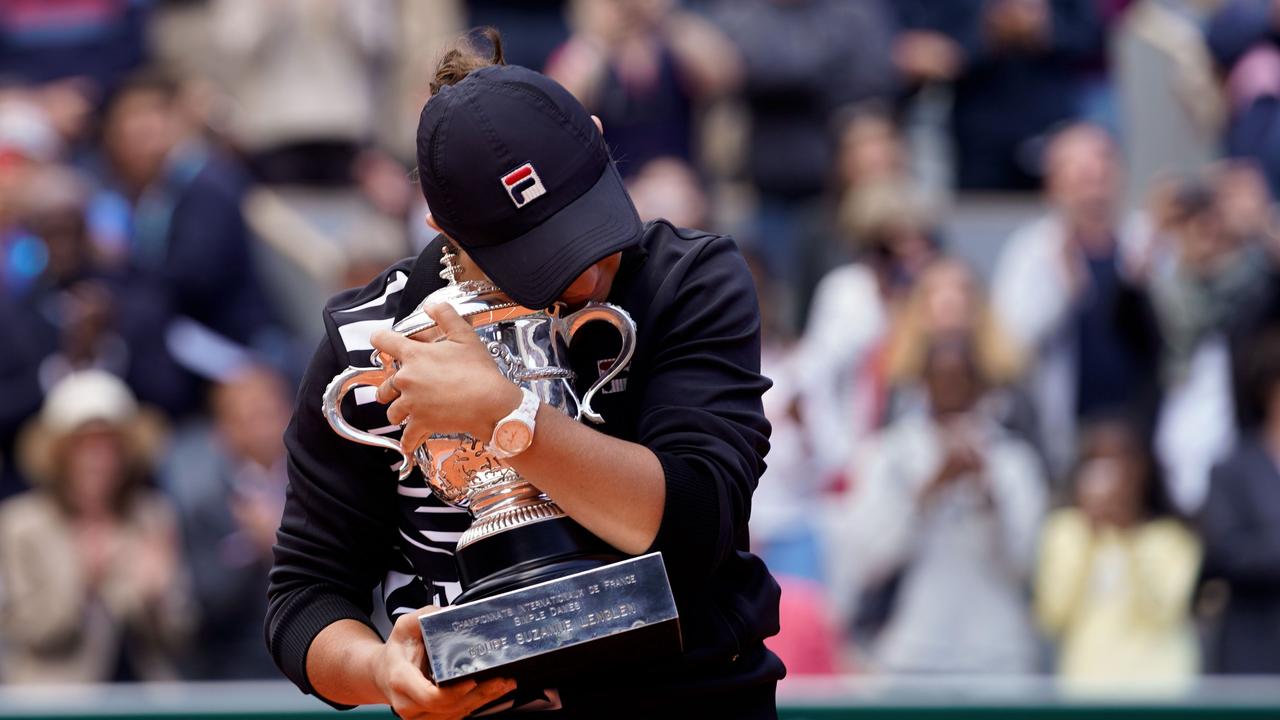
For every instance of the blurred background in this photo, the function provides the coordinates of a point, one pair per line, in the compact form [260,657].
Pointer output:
[1018,262]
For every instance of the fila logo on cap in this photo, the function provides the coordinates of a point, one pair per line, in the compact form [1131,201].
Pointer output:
[523,185]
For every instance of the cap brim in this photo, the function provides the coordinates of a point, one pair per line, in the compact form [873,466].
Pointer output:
[536,268]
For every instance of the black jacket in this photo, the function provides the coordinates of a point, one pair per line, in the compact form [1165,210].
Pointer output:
[1240,525]
[691,394]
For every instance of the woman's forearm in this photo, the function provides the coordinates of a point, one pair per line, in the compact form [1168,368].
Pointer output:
[612,487]
[341,662]
[349,664]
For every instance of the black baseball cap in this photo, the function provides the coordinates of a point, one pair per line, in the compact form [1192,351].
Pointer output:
[515,171]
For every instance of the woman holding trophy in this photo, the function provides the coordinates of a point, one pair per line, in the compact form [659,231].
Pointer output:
[559,536]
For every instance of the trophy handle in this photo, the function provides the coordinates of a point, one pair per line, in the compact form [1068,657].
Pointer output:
[626,327]
[337,390]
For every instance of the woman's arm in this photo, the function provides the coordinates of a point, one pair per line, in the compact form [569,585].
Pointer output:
[348,663]
[44,593]
[1165,561]
[1062,573]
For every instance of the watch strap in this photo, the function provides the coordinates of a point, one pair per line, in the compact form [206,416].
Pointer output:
[526,412]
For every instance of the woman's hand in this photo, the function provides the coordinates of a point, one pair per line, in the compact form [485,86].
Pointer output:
[447,386]
[398,675]
[95,543]
[154,565]
[963,459]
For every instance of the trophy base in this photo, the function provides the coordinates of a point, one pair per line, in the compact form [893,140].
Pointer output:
[527,555]
[609,615]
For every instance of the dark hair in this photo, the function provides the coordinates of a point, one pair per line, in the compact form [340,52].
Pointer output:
[1156,502]
[466,55]
[148,80]
[1193,199]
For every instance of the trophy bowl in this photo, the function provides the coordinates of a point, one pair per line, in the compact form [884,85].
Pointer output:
[534,581]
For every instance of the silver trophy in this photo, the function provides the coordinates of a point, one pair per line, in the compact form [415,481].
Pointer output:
[530,347]
[542,597]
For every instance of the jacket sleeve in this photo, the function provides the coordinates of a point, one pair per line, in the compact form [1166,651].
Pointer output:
[45,597]
[1030,289]
[845,320]
[1165,560]
[1062,572]
[1238,548]
[1018,487]
[210,259]
[338,530]
[701,410]
[883,515]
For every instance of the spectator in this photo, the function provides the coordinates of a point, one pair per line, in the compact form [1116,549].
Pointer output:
[227,481]
[1117,569]
[643,66]
[94,588]
[1172,110]
[841,355]
[72,54]
[804,61]
[870,175]
[69,312]
[947,511]
[1216,265]
[871,153]
[189,243]
[63,312]
[948,300]
[1068,288]
[1244,37]
[1215,272]
[1240,525]
[669,188]
[1251,222]
[379,243]
[305,77]
[1015,69]
[57,314]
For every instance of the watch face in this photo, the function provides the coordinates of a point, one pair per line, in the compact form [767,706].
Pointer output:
[512,436]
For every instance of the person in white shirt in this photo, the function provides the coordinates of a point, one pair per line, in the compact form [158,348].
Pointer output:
[950,505]
[1068,286]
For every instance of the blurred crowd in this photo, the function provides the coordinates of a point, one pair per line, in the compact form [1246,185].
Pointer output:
[1047,440]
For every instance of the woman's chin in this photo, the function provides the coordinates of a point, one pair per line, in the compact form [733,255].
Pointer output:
[583,289]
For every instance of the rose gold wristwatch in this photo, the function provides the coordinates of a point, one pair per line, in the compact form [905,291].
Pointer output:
[514,433]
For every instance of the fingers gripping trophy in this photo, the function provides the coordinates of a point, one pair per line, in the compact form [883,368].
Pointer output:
[522,556]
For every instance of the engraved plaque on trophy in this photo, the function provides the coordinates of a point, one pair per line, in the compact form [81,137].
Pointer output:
[575,621]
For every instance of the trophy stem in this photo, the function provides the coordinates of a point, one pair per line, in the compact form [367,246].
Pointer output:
[505,519]
[529,553]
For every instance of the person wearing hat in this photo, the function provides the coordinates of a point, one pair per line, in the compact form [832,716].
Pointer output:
[521,185]
[93,587]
